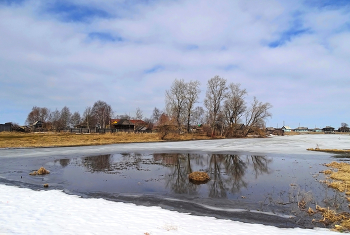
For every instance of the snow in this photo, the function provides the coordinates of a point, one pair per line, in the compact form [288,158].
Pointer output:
[24,211]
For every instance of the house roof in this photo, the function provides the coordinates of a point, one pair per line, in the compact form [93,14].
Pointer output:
[125,121]
[286,127]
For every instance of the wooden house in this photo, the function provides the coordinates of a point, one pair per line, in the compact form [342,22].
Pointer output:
[301,129]
[122,124]
[328,130]
[286,128]
[6,127]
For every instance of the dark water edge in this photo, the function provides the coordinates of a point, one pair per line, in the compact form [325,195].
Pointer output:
[261,189]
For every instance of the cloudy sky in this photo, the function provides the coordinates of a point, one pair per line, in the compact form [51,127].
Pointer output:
[292,54]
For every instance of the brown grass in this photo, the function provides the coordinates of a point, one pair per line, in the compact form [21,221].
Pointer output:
[51,139]
[199,177]
[41,171]
[340,180]
[330,150]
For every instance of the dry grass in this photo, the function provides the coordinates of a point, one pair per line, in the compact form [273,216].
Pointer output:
[51,139]
[329,150]
[41,171]
[340,180]
[199,177]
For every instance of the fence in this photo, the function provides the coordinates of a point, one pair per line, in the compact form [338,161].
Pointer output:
[103,130]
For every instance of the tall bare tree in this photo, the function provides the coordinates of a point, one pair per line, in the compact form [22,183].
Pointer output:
[55,120]
[216,92]
[198,115]
[87,117]
[102,112]
[75,119]
[38,114]
[139,114]
[256,115]
[65,117]
[192,93]
[156,115]
[235,105]
[175,100]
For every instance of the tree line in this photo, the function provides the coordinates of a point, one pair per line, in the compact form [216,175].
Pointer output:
[98,115]
[226,111]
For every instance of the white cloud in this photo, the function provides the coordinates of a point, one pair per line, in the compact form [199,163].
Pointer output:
[52,63]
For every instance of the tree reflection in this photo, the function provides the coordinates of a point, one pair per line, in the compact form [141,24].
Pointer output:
[180,167]
[98,163]
[216,185]
[226,171]
[63,162]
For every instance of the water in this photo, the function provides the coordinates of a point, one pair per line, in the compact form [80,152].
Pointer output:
[251,188]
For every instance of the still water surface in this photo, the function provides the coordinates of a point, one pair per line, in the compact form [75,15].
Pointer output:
[252,188]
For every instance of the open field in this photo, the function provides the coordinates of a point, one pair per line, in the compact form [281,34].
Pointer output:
[51,139]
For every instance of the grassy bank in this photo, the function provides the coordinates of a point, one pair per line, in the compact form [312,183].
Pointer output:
[329,150]
[51,139]
[338,177]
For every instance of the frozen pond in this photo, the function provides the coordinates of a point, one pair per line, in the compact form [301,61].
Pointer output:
[252,180]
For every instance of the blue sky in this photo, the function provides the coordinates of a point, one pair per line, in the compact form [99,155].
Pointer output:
[293,54]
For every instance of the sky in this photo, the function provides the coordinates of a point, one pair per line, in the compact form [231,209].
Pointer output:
[292,54]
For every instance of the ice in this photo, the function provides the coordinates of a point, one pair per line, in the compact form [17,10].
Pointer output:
[278,144]
[24,211]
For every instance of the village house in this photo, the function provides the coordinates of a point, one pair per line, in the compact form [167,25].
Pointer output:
[301,129]
[6,127]
[286,128]
[128,125]
[328,130]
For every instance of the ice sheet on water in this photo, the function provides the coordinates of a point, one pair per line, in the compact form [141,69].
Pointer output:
[24,211]
[278,144]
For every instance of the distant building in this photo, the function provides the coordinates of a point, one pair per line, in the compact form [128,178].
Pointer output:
[301,129]
[328,129]
[37,124]
[128,125]
[286,128]
[6,127]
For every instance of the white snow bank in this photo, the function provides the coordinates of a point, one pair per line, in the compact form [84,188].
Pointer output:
[24,211]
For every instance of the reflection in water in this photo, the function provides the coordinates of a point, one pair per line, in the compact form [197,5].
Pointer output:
[226,171]
[63,162]
[98,163]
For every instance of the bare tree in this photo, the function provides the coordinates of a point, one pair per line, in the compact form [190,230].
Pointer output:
[198,116]
[234,107]
[65,117]
[176,101]
[344,127]
[139,114]
[192,93]
[55,120]
[102,112]
[256,115]
[75,119]
[87,117]
[216,92]
[38,114]
[156,115]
